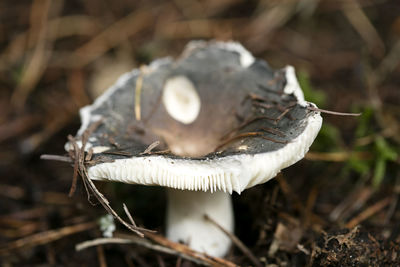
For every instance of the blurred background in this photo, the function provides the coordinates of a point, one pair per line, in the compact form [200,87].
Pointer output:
[339,206]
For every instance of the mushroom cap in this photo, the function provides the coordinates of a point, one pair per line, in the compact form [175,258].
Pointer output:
[229,121]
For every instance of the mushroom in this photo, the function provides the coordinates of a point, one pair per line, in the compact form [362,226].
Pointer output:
[212,122]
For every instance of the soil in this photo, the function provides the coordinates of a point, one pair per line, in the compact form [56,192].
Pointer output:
[337,207]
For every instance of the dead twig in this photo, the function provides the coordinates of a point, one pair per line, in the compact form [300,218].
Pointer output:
[78,155]
[283,114]
[171,248]
[362,24]
[18,126]
[246,251]
[351,203]
[264,105]
[46,237]
[56,158]
[105,203]
[118,153]
[247,135]
[246,123]
[150,147]
[75,155]
[111,37]
[185,252]
[12,191]
[102,241]
[101,256]
[127,212]
[138,94]
[339,156]
[113,142]
[273,131]
[368,212]
[36,63]
[332,112]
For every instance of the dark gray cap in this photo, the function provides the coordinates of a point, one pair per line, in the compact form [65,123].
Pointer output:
[223,119]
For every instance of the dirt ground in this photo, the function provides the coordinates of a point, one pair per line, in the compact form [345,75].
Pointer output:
[337,207]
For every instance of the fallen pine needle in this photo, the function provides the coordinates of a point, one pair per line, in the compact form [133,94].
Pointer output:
[46,237]
[336,156]
[102,241]
[368,212]
[333,112]
[163,245]
[184,251]
[246,251]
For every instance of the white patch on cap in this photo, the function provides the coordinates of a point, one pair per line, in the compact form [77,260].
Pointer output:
[293,87]
[100,149]
[230,173]
[181,99]
[246,58]
[95,149]
[68,146]
[243,147]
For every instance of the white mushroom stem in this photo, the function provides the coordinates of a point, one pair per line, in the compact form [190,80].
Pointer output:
[186,222]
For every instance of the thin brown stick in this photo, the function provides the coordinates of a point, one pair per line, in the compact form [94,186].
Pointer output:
[101,256]
[185,252]
[105,203]
[369,212]
[333,112]
[12,191]
[161,152]
[246,123]
[18,126]
[138,95]
[256,97]
[113,142]
[150,147]
[363,25]
[129,214]
[75,154]
[239,136]
[89,155]
[168,247]
[46,237]
[110,37]
[101,241]
[178,262]
[160,261]
[118,153]
[36,63]
[56,158]
[273,131]
[285,110]
[264,105]
[283,114]
[249,134]
[246,251]
[78,156]
[337,156]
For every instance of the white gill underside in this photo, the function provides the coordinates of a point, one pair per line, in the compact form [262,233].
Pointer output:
[228,174]
[231,173]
